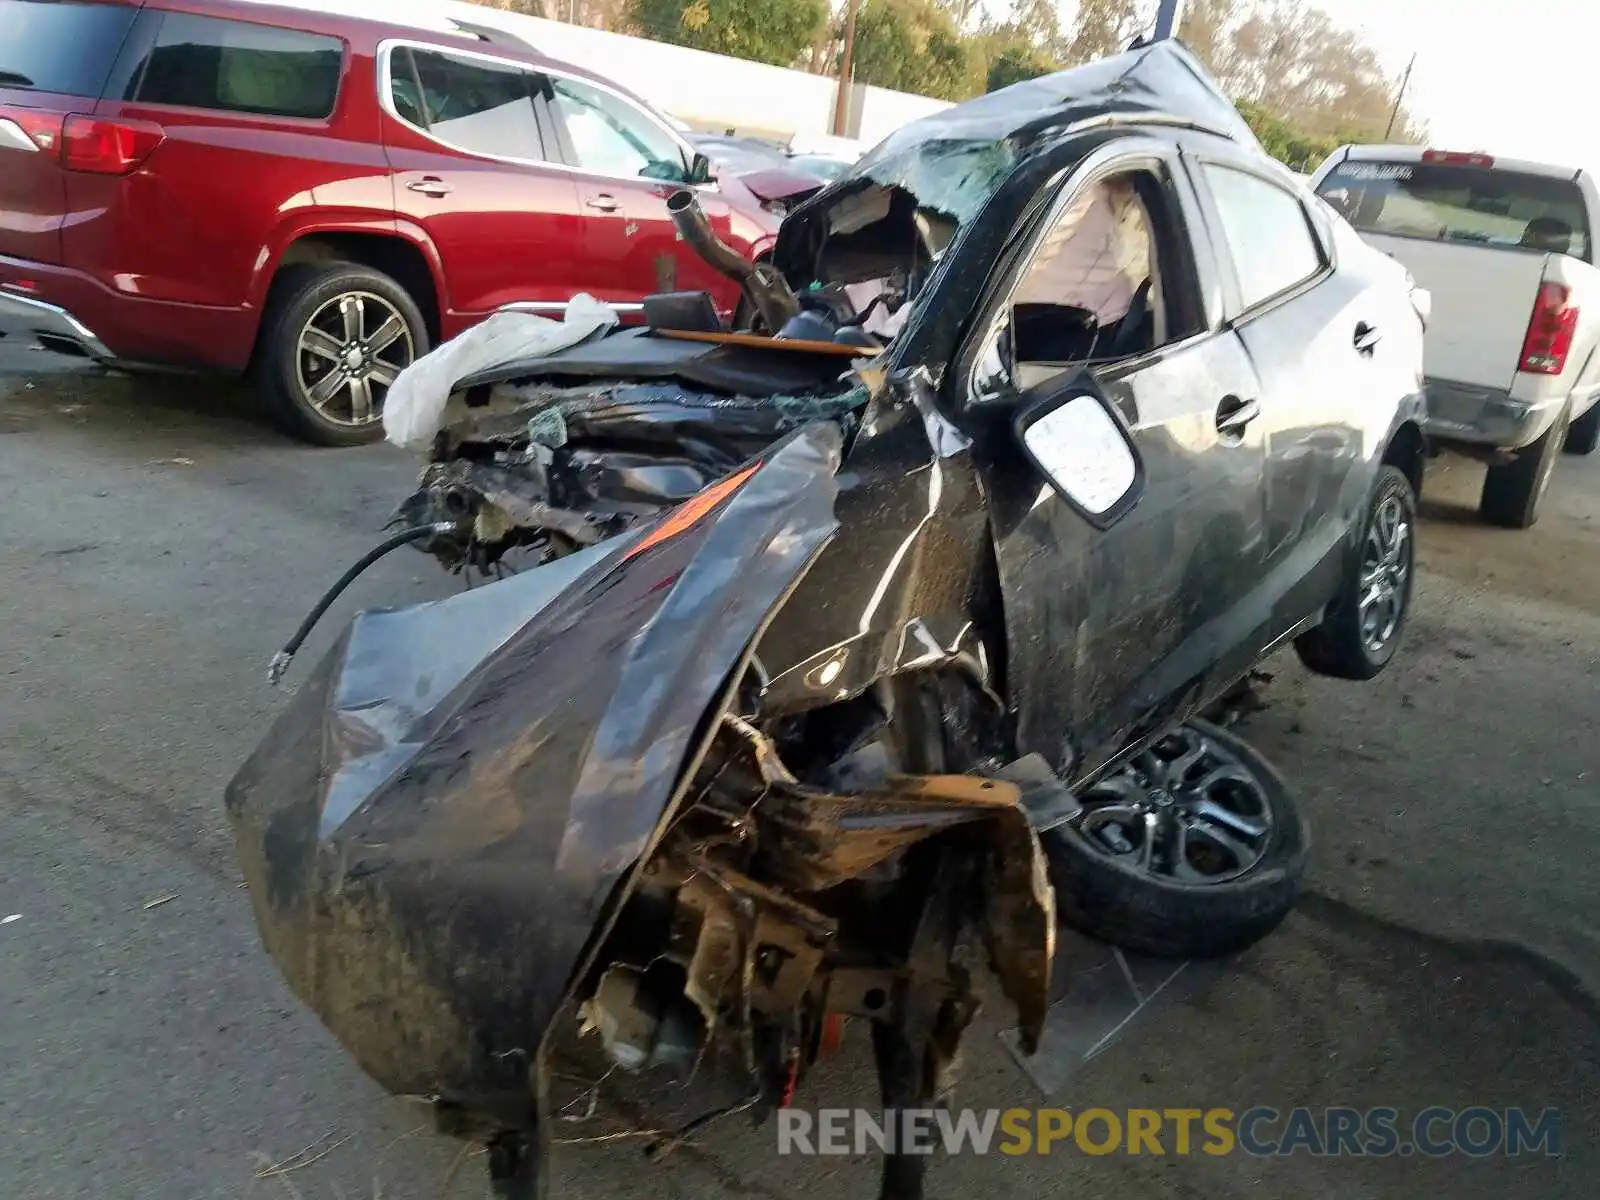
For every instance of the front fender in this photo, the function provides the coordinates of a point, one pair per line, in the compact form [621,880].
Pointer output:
[435,829]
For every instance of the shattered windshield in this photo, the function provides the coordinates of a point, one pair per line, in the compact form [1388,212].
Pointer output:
[891,219]
[951,178]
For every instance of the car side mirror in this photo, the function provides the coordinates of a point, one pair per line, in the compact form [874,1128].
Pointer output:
[1077,439]
[700,169]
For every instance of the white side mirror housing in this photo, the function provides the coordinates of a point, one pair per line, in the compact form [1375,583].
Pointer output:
[1085,453]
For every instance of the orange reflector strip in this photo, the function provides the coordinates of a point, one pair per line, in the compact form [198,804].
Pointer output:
[832,1035]
[692,510]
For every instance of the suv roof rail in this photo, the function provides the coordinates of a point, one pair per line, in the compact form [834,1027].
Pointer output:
[495,37]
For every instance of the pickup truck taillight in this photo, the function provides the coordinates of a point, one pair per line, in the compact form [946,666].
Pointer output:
[107,147]
[1550,330]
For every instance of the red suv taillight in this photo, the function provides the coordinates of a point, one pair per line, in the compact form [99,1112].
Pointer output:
[107,147]
[1550,330]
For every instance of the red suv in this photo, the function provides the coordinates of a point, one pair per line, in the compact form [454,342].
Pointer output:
[318,198]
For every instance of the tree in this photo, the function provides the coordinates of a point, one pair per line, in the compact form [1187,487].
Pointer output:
[768,31]
[1296,150]
[1292,61]
[1103,28]
[1014,64]
[913,46]
[1036,22]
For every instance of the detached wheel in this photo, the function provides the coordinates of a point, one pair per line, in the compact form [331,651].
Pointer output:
[1195,849]
[1361,630]
[1511,493]
[1583,435]
[334,339]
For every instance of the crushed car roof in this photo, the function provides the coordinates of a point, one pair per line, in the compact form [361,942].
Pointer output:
[953,160]
[1163,81]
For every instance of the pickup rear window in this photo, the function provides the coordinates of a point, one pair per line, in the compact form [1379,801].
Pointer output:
[1454,203]
[49,46]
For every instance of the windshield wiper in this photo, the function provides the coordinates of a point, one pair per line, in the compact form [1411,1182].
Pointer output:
[14,77]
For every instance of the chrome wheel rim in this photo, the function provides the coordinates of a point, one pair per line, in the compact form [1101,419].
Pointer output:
[1187,810]
[349,353]
[1385,573]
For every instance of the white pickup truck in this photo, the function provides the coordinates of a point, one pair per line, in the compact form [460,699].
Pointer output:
[1507,251]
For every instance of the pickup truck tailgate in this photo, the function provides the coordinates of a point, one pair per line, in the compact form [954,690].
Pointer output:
[1482,299]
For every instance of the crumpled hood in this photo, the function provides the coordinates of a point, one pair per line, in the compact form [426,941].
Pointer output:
[780,184]
[437,826]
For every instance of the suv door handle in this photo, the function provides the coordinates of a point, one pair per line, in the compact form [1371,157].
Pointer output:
[430,185]
[1233,414]
[1366,339]
[604,202]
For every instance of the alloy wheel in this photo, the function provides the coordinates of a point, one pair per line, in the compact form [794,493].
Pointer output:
[1187,810]
[349,353]
[1385,573]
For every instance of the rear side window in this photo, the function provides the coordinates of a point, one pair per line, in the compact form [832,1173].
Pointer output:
[46,46]
[471,104]
[231,66]
[1267,231]
[1449,202]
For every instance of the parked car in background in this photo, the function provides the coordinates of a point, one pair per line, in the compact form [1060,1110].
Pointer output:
[1507,250]
[316,198]
[824,159]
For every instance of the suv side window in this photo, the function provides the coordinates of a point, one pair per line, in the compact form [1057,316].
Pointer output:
[1268,233]
[1110,279]
[66,48]
[470,104]
[232,66]
[611,136]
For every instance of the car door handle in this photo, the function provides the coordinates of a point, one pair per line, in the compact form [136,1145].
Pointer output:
[603,202]
[1366,339]
[1233,414]
[430,185]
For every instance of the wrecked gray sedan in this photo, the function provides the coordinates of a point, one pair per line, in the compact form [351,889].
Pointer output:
[835,658]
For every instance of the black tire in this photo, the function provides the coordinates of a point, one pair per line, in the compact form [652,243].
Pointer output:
[1107,896]
[1583,435]
[1342,646]
[284,371]
[1511,493]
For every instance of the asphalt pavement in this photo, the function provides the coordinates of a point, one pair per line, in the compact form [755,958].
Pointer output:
[157,544]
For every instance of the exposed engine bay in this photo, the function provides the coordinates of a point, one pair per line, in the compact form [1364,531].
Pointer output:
[544,463]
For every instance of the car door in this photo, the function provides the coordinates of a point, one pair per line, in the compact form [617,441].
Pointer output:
[471,170]
[626,164]
[1115,631]
[1313,334]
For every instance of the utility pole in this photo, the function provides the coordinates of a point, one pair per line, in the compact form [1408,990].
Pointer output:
[1167,18]
[1399,96]
[847,71]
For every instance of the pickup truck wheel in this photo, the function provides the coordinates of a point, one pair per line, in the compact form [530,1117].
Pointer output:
[1511,493]
[335,337]
[1361,630]
[1194,849]
[1583,435]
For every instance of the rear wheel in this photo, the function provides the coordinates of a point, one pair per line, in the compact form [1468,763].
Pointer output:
[1583,435]
[1512,492]
[1361,629]
[335,338]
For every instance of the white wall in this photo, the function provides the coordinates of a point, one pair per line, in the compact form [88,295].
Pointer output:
[882,111]
[711,91]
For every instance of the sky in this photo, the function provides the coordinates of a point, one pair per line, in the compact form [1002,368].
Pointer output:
[1520,78]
